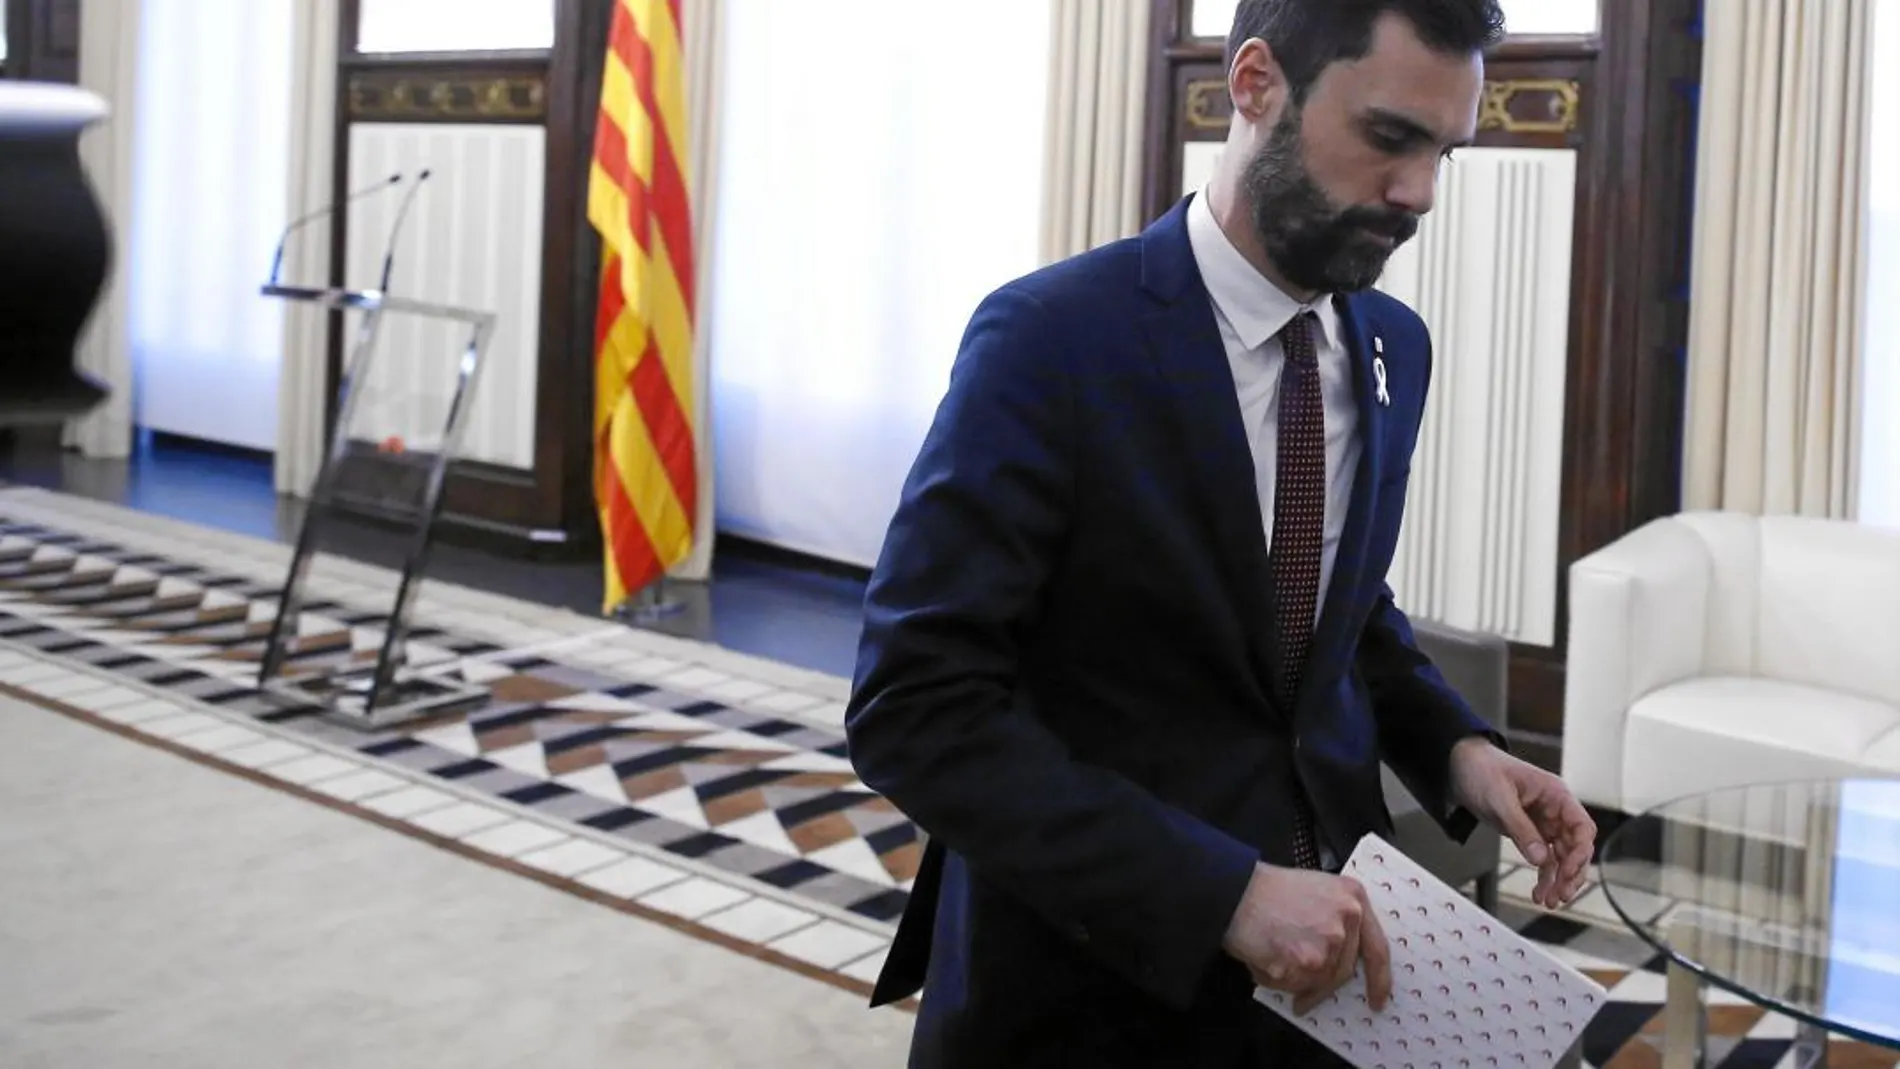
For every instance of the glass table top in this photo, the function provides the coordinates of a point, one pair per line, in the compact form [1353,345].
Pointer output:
[1786,894]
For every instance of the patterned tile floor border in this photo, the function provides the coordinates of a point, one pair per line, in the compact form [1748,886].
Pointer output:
[643,882]
[676,781]
[629,733]
[691,759]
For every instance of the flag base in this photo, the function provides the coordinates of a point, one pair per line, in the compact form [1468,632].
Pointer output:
[655,602]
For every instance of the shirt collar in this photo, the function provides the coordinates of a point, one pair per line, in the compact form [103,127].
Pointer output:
[1256,308]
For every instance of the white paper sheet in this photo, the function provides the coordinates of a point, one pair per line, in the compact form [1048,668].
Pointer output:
[1467,991]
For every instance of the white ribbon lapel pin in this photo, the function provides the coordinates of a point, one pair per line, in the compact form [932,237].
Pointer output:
[1378,372]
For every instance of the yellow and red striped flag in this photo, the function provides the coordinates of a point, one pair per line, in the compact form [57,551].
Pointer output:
[637,198]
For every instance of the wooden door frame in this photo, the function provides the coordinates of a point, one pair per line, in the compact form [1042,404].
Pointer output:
[547,510]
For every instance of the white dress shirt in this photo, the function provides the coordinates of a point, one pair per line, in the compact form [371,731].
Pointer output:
[1251,312]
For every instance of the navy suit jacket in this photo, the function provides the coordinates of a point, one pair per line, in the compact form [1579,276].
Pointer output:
[1063,675]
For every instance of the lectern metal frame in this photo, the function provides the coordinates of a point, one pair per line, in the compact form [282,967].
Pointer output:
[375,697]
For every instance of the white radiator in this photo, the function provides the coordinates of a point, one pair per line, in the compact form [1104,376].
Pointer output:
[1490,273]
[473,238]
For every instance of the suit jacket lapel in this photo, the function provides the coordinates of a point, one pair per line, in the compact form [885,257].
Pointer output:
[1190,361]
[1333,640]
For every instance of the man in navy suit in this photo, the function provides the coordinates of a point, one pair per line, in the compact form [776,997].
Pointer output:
[1129,655]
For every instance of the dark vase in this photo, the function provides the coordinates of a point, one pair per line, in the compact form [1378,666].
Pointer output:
[55,251]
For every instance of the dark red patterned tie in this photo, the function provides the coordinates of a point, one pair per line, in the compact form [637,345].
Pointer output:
[1299,524]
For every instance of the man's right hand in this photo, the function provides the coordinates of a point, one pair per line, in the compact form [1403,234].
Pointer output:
[1305,933]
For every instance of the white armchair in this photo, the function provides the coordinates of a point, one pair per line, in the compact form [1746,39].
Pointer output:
[1712,650]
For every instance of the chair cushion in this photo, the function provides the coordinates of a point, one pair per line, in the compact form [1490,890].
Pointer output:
[1826,612]
[1708,733]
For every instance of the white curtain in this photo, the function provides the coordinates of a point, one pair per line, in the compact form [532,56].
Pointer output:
[1880,443]
[702,24]
[109,66]
[1779,259]
[1098,67]
[884,174]
[214,140]
[303,385]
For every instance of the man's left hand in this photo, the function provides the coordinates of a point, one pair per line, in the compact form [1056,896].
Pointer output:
[1534,809]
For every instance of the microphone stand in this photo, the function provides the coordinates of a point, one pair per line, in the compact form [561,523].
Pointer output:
[402,213]
[277,260]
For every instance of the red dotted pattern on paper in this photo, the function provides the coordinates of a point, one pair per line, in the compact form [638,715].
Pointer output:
[1532,1010]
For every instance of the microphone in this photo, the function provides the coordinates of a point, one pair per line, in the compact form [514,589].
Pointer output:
[277,261]
[389,255]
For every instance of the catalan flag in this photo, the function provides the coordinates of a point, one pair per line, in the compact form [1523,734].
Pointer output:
[644,466]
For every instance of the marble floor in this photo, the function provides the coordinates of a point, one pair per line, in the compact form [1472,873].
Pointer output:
[687,787]
[215,908]
[701,785]
[163,913]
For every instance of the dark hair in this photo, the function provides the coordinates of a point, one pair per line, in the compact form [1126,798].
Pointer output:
[1307,36]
